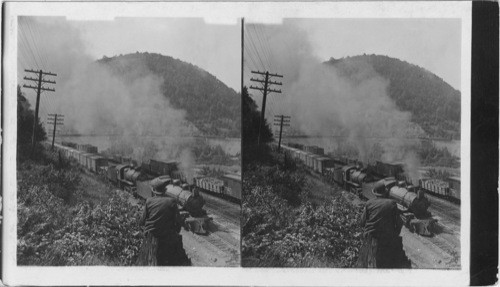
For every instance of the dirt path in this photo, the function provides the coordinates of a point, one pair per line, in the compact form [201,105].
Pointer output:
[224,233]
[220,248]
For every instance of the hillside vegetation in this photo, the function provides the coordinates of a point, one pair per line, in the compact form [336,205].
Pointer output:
[434,104]
[283,223]
[64,216]
[211,106]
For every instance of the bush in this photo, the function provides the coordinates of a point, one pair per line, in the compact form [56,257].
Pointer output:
[281,228]
[62,183]
[286,184]
[52,234]
[275,234]
[109,233]
[58,225]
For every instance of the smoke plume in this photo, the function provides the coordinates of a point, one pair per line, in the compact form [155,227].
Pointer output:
[187,164]
[325,101]
[126,102]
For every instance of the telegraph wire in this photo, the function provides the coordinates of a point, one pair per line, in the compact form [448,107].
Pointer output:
[262,48]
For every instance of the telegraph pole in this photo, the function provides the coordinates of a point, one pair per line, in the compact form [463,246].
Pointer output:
[55,119]
[265,90]
[39,88]
[242,56]
[281,120]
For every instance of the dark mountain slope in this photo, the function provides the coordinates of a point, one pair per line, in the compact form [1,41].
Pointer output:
[434,104]
[210,105]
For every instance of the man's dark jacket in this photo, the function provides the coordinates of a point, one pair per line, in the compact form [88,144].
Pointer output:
[381,218]
[161,216]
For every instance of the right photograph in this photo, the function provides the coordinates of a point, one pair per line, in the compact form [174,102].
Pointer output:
[351,143]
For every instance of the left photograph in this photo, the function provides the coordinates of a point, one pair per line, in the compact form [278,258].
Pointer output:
[128,142]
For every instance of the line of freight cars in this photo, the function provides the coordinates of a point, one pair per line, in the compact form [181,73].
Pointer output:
[448,189]
[228,187]
[351,174]
[139,181]
[348,174]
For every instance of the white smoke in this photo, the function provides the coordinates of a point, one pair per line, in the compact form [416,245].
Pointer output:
[94,99]
[187,164]
[323,100]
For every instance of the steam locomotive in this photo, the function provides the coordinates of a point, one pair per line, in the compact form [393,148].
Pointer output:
[413,207]
[137,180]
[347,173]
[352,176]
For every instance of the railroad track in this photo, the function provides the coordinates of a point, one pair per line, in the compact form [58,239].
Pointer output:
[231,251]
[231,217]
[444,245]
[229,211]
[444,208]
[210,249]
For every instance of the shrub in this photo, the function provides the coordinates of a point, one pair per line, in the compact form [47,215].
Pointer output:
[281,228]
[274,234]
[52,234]
[58,225]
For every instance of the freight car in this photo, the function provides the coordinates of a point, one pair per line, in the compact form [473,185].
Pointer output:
[384,170]
[454,185]
[449,189]
[413,207]
[350,176]
[86,148]
[232,183]
[128,175]
[69,144]
[214,186]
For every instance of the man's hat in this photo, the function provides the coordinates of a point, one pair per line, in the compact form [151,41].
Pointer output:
[158,184]
[379,188]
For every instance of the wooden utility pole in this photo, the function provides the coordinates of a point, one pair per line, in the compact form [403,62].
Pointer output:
[242,56]
[38,89]
[55,119]
[265,90]
[281,120]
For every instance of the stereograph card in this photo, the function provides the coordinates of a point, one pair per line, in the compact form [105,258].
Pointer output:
[224,143]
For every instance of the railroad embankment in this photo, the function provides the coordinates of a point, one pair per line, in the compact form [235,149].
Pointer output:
[292,219]
[67,217]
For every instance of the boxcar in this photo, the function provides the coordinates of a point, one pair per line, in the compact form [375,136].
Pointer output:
[83,159]
[436,186]
[232,183]
[388,169]
[161,167]
[211,184]
[454,184]
[314,162]
[96,162]
[323,163]
[87,148]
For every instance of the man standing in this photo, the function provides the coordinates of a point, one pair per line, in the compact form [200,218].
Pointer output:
[162,223]
[382,245]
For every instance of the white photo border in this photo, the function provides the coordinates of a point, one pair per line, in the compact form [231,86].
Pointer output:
[231,12]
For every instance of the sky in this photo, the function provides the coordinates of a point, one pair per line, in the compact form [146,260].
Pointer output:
[91,94]
[434,44]
[214,48]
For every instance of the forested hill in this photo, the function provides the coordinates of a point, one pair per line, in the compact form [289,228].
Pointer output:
[211,106]
[434,104]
